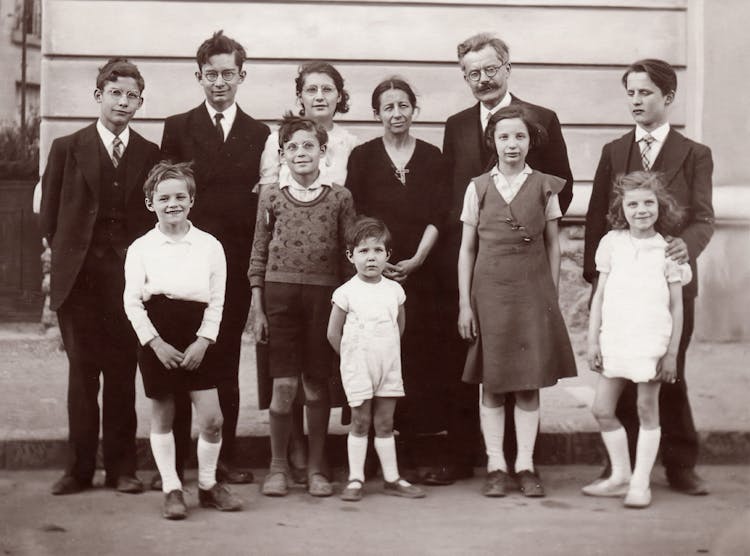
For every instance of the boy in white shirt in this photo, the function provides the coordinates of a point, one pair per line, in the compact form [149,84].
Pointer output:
[175,277]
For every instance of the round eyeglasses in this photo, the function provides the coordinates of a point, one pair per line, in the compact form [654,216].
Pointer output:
[227,75]
[489,71]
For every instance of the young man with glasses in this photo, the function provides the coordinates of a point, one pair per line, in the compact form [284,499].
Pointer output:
[485,63]
[225,145]
[92,209]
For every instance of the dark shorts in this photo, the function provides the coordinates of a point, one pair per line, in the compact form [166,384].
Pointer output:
[297,326]
[177,322]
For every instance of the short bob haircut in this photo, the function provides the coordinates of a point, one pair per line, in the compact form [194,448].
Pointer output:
[219,43]
[290,124]
[659,71]
[318,66]
[670,218]
[537,133]
[478,42]
[364,228]
[392,83]
[119,67]
[167,170]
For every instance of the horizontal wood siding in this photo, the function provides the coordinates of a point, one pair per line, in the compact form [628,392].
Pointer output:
[566,55]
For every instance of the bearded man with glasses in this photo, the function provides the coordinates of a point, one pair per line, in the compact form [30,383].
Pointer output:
[485,63]
[225,144]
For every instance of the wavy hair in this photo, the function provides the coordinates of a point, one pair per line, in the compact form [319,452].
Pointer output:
[671,215]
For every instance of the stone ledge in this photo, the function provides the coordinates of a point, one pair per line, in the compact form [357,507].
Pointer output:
[717,447]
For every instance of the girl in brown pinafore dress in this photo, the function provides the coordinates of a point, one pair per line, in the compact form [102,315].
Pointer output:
[508,270]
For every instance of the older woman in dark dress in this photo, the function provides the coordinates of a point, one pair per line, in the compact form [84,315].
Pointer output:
[401,180]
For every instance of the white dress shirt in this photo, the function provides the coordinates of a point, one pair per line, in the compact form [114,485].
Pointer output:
[108,137]
[227,121]
[659,135]
[300,192]
[192,268]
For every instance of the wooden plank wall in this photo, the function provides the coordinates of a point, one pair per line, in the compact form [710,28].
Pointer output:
[567,55]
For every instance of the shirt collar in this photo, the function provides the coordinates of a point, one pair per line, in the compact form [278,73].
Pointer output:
[660,133]
[229,113]
[525,172]
[162,238]
[107,136]
[287,180]
[485,113]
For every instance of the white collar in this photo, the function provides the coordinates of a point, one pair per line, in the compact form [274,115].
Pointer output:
[525,172]
[485,113]
[660,133]
[163,238]
[229,114]
[107,136]
[289,181]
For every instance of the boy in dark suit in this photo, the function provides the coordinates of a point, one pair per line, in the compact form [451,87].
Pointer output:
[91,211]
[686,166]
[485,63]
[225,145]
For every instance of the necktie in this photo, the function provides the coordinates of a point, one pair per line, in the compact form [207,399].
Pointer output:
[219,130]
[646,142]
[117,148]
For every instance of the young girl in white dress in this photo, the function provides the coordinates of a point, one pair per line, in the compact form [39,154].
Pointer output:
[635,327]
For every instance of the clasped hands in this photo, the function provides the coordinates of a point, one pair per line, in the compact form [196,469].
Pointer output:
[172,358]
[401,270]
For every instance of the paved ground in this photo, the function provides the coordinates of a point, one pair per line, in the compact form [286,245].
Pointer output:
[33,386]
[452,520]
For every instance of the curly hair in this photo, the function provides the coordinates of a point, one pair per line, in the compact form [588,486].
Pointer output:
[290,124]
[670,218]
[318,66]
[167,170]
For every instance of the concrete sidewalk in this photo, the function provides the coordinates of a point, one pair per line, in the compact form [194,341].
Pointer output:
[33,387]
[454,520]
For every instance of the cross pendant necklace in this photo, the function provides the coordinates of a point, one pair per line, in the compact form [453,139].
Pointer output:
[401,174]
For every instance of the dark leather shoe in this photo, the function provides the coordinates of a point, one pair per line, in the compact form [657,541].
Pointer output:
[67,484]
[685,480]
[220,497]
[530,484]
[447,475]
[497,484]
[129,484]
[228,474]
[174,505]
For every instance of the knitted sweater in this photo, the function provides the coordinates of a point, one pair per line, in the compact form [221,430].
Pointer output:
[298,242]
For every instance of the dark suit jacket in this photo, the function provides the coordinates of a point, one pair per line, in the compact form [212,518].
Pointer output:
[70,201]
[225,175]
[462,148]
[686,167]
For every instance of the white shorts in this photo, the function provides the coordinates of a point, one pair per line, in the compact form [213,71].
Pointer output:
[371,365]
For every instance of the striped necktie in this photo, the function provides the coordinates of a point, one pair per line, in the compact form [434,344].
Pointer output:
[220,130]
[117,149]
[646,142]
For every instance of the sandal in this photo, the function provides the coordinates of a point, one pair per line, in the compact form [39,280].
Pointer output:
[353,491]
[275,483]
[318,485]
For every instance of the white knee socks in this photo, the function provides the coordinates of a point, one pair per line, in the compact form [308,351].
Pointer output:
[386,449]
[527,425]
[616,442]
[356,448]
[162,447]
[208,456]
[492,420]
[645,456]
